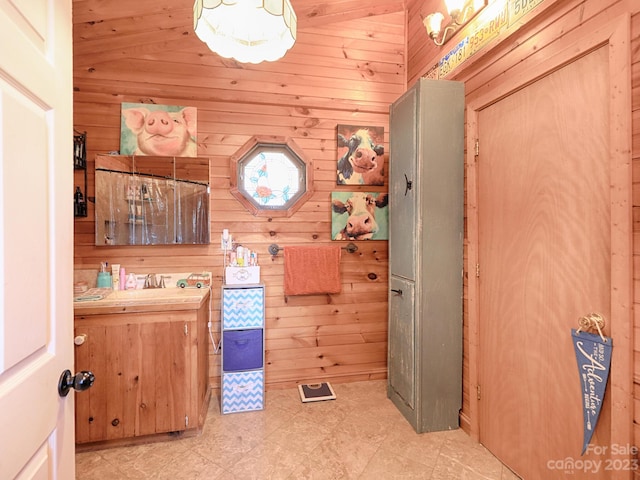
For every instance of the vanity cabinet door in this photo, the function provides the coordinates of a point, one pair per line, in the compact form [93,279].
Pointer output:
[145,383]
[91,406]
[167,383]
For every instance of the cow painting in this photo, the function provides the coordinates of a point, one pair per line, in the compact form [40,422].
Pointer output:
[359,216]
[159,130]
[360,155]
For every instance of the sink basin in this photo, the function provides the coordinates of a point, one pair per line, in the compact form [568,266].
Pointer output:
[142,293]
[147,294]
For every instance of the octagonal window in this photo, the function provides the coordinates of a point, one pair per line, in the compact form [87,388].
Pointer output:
[270,176]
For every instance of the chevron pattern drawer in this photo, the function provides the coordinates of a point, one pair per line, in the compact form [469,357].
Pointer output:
[242,307]
[242,392]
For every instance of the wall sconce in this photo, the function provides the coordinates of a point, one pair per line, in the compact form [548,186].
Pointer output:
[460,11]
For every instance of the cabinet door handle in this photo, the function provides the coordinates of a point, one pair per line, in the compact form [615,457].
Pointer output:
[397,290]
[408,186]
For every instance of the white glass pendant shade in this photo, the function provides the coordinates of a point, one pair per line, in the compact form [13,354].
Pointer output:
[251,31]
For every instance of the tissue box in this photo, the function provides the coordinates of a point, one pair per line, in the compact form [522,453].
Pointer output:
[242,275]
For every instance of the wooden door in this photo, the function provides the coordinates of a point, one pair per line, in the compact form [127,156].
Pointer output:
[146,371]
[36,229]
[175,390]
[544,222]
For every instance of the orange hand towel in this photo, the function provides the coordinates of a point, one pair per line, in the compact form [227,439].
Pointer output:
[312,270]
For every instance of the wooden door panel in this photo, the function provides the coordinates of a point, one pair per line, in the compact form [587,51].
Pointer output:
[91,412]
[173,381]
[116,355]
[108,409]
[147,406]
[544,254]
[131,378]
[144,380]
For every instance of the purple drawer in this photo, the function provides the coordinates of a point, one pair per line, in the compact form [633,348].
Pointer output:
[242,350]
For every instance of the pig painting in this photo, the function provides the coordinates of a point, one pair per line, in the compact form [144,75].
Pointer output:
[359,216]
[160,130]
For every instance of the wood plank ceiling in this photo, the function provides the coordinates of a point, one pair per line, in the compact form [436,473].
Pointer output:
[149,26]
[310,13]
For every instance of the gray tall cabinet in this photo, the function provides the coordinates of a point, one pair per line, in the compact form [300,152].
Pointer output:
[426,196]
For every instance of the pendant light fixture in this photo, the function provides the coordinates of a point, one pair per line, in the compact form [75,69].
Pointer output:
[251,31]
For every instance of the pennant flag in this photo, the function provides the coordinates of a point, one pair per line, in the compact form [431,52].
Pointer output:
[593,354]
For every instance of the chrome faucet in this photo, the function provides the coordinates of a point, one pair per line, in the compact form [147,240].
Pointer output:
[150,281]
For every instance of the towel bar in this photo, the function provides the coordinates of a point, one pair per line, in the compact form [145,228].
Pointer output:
[350,248]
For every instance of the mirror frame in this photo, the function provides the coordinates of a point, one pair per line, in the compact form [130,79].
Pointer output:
[196,170]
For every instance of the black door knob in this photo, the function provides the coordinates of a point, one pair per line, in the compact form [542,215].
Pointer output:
[79,382]
[397,290]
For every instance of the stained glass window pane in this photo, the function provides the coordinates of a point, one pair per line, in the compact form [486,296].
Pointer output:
[271,178]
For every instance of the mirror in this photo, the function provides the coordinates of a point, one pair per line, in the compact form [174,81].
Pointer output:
[150,200]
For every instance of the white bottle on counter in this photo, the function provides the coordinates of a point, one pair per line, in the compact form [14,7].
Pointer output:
[132,282]
[115,275]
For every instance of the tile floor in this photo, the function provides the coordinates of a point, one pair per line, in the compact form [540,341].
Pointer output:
[360,435]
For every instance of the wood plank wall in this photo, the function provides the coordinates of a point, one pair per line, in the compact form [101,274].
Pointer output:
[565,16]
[338,72]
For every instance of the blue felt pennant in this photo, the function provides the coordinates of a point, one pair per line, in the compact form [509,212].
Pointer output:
[593,354]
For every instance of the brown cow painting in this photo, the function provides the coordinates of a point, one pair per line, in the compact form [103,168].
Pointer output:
[359,216]
[360,155]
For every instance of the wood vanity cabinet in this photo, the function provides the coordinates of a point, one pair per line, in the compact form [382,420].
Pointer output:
[151,371]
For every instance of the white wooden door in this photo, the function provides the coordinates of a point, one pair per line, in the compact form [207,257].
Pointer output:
[36,238]
[545,260]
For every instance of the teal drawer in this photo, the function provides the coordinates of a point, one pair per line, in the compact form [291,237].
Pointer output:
[242,391]
[242,307]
